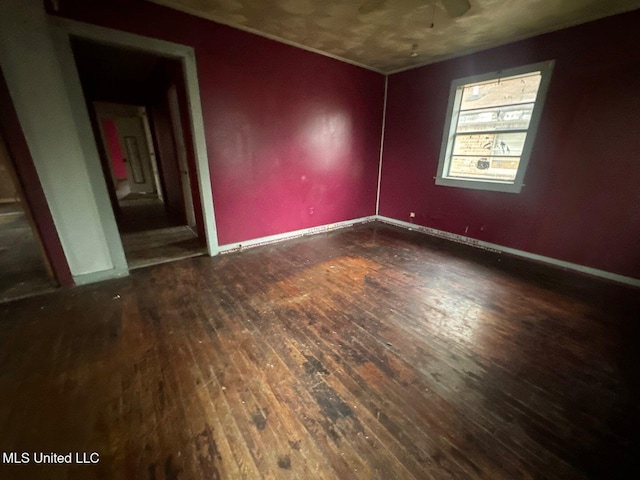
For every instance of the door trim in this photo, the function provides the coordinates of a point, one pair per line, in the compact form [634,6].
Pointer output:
[65,29]
[181,154]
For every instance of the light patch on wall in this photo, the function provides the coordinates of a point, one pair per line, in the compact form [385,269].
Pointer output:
[234,144]
[326,137]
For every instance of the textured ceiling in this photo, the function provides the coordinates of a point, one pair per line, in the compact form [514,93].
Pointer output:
[398,34]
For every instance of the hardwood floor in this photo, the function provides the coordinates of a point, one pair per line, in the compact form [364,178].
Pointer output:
[149,237]
[152,247]
[141,213]
[364,353]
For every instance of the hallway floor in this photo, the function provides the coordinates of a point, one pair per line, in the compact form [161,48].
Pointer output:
[163,245]
[149,237]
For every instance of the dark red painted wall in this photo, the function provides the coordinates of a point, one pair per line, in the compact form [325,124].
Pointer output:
[292,137]
[581,202]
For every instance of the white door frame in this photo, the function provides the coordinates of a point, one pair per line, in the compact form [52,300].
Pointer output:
[181,153]
[64,29]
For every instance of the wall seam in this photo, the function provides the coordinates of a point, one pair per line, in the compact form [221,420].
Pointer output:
[384,121]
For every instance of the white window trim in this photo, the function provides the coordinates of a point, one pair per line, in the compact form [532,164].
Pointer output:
[451,122]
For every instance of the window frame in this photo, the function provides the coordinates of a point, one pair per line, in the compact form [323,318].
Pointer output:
[451,124]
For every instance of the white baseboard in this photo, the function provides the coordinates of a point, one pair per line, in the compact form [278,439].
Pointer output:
[511,251]
[256,242]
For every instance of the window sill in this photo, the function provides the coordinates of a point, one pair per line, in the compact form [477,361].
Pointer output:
[504,187]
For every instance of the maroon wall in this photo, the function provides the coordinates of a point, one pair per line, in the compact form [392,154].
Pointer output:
[292,137]
[581,200]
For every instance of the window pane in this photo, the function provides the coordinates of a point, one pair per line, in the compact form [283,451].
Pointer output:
[486,168]
[514,117]
[487,143]
[490,144]
[504,91]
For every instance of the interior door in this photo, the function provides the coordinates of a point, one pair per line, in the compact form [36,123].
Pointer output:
[181,151]
[134,144]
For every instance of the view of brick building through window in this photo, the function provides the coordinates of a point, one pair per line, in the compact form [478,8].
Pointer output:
[492,127]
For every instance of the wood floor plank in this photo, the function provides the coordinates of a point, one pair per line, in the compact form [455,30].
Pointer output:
[333,403]
[312,415]
[297,362]
[368,352]
[380,358]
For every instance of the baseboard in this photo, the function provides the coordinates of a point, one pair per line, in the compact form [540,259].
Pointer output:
[94,277]
[256,242]
[634,282]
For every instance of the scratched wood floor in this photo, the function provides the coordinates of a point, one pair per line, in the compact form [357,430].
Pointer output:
[366,353]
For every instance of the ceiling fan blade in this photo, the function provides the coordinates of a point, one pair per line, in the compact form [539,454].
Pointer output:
[456,8]
[369,6]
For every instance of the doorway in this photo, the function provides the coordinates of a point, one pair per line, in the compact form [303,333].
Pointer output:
[136,104]
[25,267]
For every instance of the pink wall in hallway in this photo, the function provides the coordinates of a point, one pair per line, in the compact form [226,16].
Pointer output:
[116,157]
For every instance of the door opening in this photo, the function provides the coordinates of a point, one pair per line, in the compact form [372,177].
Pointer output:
[134,99]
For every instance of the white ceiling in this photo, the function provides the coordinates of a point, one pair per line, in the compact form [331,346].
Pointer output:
[398,34]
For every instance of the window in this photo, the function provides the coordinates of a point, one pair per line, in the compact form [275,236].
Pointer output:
[490,128]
